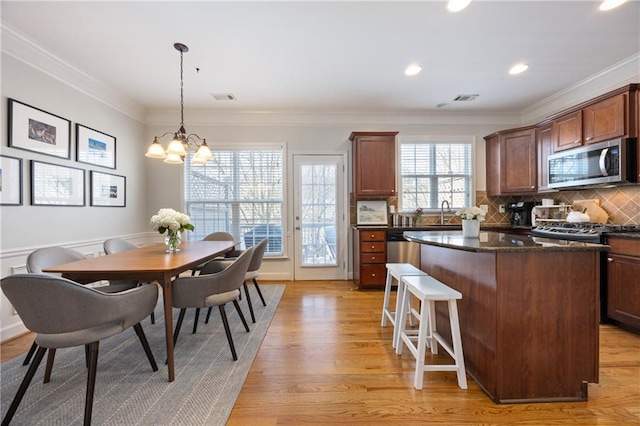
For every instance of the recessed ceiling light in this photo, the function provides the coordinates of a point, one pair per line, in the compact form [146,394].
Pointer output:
[413,69]
[457,5]
[610,4]
[518,68]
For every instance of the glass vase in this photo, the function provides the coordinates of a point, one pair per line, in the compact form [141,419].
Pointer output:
[173,240]
[470,228]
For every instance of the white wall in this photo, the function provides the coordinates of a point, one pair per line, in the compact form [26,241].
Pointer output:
[25,228]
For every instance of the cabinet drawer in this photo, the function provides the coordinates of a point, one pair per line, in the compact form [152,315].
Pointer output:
[373,258]
[624,246]
[373,247]
[373,274]
[373,235]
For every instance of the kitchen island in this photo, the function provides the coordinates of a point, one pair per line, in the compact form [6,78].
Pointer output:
[529,311]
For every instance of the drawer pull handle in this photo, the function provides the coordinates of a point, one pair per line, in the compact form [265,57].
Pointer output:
[372,236]
[373,275]
[373,258]
[373,247]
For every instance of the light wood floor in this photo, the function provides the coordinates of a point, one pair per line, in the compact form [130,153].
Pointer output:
[326,360]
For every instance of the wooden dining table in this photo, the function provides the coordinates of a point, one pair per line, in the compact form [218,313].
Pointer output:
[147,264]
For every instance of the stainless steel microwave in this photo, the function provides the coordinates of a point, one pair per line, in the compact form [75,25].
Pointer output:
[600,163]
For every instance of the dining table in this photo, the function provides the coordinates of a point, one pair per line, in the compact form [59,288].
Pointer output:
[147,264]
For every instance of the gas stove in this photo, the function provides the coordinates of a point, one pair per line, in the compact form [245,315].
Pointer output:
[586,232]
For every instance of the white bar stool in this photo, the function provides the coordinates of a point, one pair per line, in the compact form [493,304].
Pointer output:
[397,271]
[428,290]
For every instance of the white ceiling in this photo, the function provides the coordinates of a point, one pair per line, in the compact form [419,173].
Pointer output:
[337,56]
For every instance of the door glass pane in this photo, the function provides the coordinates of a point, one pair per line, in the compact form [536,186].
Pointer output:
[318,192]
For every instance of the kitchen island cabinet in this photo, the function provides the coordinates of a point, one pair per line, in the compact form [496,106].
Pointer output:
[528,314]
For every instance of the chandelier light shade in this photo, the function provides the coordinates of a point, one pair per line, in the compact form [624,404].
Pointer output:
[182,142]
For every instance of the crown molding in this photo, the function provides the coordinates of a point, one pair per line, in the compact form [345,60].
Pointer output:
[19,47]
[620,74]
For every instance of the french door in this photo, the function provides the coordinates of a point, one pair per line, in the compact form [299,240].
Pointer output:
[319,218]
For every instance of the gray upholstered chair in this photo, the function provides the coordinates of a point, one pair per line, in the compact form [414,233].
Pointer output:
[252,274]
[218,236]
[117,245]
[65,314]
[212,289]
[50,256]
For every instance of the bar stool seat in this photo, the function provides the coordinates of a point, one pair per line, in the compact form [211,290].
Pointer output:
[396,271]
[428,290]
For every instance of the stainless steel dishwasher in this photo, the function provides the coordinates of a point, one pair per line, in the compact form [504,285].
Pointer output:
[399,250]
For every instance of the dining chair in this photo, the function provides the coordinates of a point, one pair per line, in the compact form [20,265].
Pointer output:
[211,289]
[252,274]
[66,314]
[117,245]
[218,236]
[50,256]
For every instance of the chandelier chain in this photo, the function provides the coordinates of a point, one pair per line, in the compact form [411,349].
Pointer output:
[181,90]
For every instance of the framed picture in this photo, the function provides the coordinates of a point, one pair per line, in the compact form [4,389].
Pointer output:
[10,181]
[36,130]
[94,147]
[108,190]
[371,212]
[55,185]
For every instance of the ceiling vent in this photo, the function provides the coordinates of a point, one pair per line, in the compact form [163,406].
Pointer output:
[465,98]
[224,96]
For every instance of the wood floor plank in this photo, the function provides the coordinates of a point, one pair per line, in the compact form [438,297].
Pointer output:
[326,360]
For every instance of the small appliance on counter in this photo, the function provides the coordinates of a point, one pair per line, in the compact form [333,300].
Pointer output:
[521,213]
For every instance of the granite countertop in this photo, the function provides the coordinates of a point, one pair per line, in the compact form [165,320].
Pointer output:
[491,241]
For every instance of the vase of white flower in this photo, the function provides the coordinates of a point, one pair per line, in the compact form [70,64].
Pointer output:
[173,240]
[471,218]
[173,223]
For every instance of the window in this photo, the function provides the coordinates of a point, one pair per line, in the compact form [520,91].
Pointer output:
[435,169]
[241,192]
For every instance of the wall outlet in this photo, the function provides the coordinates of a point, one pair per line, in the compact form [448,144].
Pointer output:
[484,207]
[501,208]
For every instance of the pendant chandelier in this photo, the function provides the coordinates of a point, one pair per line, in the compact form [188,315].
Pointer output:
[181,142]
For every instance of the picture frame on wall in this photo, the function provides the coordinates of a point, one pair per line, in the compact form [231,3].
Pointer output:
[10,181]
[95,147]
[108,190]
[33,129]
[56,185]
[372,212]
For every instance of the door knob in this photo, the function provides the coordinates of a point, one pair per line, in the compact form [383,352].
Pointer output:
[298,228]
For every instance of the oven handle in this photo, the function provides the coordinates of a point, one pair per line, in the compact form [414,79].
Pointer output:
[602,162]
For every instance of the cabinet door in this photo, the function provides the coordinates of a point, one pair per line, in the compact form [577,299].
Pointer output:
[518,166]
[567,131]
[374,158]
[493,165]
[545,148]
[605,120]
[623,285]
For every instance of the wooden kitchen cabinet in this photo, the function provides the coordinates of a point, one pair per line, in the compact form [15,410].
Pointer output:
[370,258]
[567,131]
[623,283]
[512,161]
[544,143]
[374,164]
[605,120]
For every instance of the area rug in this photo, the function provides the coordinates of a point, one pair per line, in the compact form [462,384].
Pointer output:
[128,392]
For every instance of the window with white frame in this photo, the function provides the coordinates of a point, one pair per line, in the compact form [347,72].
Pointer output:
[240,192]
[435,169]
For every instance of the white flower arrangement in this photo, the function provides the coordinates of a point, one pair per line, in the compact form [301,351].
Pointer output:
[170,220]
[471,213]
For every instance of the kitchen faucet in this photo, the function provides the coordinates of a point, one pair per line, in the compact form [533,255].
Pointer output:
[442,210]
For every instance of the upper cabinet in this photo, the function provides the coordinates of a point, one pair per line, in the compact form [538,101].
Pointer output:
[511,161]
[606,117]
[374,164]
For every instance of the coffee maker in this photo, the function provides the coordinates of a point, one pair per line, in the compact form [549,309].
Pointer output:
[521,213]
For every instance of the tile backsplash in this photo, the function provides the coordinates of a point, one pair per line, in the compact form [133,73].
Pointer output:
[621,203]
